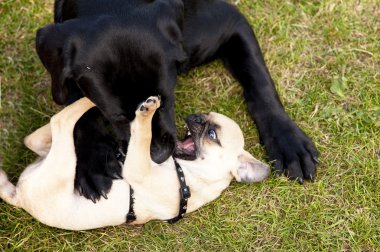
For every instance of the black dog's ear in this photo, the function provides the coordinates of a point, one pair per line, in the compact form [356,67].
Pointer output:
[64,10]
[57,52]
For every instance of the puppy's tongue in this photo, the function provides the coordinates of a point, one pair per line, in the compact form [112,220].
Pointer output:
[188,144]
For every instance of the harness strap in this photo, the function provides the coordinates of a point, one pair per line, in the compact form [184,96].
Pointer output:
[184,192]
[131,216]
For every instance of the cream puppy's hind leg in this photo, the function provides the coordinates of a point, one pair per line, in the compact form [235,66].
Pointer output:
[40,140]
[67,117]
[62,150]
[56,136]
[138,162]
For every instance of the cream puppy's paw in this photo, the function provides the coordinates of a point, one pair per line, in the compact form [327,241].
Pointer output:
[148,107]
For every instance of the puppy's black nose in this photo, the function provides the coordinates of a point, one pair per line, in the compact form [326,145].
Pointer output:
[197,118]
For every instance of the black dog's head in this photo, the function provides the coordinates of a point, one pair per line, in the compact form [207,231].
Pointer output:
[116,66]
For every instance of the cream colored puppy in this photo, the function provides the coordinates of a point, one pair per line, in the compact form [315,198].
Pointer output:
[46,188]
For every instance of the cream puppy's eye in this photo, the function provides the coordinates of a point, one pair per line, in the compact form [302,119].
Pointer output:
[212,134]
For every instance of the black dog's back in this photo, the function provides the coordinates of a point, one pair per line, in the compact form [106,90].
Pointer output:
[69,9]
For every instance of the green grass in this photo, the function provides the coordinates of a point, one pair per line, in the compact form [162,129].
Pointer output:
[325,59]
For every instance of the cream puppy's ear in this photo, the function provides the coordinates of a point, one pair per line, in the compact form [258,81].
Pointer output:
[250,169]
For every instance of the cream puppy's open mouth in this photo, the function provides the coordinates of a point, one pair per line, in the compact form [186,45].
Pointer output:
[186,148]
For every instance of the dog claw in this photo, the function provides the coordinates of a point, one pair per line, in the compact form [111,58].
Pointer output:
[310,177]
[300,180]
[115,175]
[121,152]
[80,191]
[93,199]
[316,160]
[286,172]
[104,194]
[278,174]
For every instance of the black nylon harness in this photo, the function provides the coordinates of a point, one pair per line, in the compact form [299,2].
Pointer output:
[184,192]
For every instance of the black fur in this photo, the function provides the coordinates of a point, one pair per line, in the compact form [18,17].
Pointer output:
[97,135]
[118,52]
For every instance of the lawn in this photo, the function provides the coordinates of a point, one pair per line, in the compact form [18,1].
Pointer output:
[324,57]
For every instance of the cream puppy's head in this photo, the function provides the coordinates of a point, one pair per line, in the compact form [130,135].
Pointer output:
[218,141]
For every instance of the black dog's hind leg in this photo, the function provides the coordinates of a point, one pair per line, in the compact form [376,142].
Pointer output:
[96,150]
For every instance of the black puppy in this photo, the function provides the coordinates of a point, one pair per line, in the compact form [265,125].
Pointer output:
[118,52]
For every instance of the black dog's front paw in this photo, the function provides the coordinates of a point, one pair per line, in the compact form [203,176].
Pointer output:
[293,153]
[96,151]
[97,182]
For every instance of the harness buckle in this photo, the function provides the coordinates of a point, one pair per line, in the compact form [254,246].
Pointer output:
[185,192]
